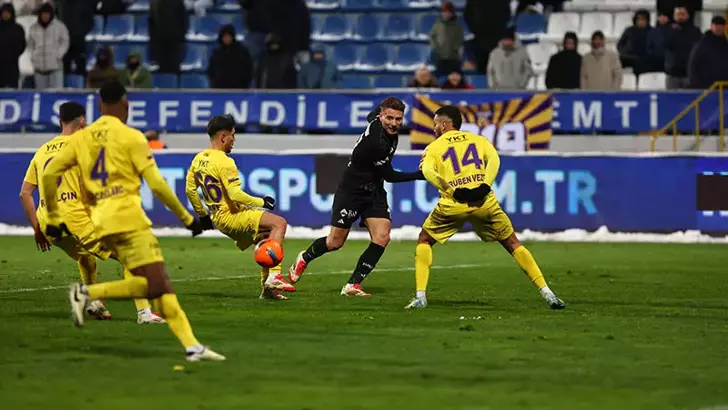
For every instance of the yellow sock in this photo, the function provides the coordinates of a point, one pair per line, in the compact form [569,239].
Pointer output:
[177,320]
[525,260]
[142,303]
[131,288]
[423,261]
[263,276]
[87,267]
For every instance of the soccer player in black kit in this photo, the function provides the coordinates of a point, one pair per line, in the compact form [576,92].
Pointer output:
[361,195]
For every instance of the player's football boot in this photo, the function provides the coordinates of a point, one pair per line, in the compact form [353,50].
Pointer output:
[79,301]
[354,290]
[417,303]
[554,302]
[278,283]
[297,269]
[272,294]
[204,354]
[143,318]
[97,309]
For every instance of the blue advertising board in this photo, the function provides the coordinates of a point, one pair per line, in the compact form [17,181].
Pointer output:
[346,111]
[539,192]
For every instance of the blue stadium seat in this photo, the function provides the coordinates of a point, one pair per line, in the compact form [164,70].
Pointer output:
[392,4]
[97,29]
[409,57]
[424,25]
[363,5]
[356,82]
[317,25]
[376,57]
[529,26]
[479,81]
[398,26]
[119,27]
[459,4]
[164,81]
[389,81]
[207,28]
[141,28]
[122,50]
[466,30]
[194,81]
[367,27]
[74,81]
[323,4]
[195,57]
[345,56]
[228,4]
[140,5]
[336,27]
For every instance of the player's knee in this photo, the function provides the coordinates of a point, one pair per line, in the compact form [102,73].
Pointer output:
[381,239]
[334,243]
[281,224]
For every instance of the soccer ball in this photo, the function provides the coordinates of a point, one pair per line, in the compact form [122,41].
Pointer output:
[268,253]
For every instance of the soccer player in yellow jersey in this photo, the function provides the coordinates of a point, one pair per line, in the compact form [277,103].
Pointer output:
[235,213]
[82,245]
[112,159]
[463,167]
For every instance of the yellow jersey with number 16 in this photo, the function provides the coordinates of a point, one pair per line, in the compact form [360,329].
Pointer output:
[111,157]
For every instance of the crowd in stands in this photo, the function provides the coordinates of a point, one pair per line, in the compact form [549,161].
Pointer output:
[267,44]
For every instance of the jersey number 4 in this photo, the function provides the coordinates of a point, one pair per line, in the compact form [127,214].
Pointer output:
[470,156]
[98,171]
[210,187]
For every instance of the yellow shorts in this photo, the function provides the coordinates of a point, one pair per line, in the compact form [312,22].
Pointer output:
[489,222]
[82,242]
[242,227]
[134,249]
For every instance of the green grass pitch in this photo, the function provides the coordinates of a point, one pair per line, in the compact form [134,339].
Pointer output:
[646,327]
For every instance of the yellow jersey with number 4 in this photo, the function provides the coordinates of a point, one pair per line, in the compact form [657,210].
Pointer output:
[111,156]
[459,159]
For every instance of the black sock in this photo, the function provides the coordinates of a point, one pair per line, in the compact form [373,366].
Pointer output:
[367,261]
[317,248]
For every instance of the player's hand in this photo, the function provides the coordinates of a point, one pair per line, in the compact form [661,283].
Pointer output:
[56,232]
[269,203]
[195,227]
[41,242]
[467,195]
[206,223]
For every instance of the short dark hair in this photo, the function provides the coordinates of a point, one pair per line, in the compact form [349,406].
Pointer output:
[220,123]
[393,103]
[71,111]
[112,92]
[453,113]
[597,34]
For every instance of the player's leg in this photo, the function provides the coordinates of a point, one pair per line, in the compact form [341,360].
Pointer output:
[379,229]
[274,227]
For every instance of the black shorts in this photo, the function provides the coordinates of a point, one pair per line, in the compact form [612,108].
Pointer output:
[352,205]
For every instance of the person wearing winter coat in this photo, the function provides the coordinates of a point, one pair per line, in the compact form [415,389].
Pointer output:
[231,66]
[48,42]
[103,71]
[456,81]
[275,70]
[12,45]
[509,66]
[486,19]
[319,73]
[168,24]
[681,38]
[632,45]
[78,16]
[656,43]
[600,68]
[564,69]
[423,78]
[135,74]
[446,40]
[709,59]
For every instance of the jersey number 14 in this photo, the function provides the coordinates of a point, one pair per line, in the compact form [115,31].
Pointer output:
[470,156]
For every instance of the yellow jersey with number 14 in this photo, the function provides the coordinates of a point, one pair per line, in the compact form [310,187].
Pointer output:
[111,156]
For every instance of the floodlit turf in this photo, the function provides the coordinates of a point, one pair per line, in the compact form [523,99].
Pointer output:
[646,328]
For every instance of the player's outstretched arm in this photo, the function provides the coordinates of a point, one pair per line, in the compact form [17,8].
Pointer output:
[427,166]
[193,196]
[26,198]
[62,162]
[161,190]
[391,175]
[231,182]
[492,160]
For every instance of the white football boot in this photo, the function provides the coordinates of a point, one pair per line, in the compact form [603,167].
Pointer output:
[79,301]
[276,282]
[354,290]
[551,299]
[417,303]
[297,269]
[149,317]
[97,309]
[204,354]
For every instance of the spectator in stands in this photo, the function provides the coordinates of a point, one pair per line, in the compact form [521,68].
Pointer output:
[564,69]
[78,16]
[318,73]
[109,7]
[600,68]
[259,21]
[656,43]
[12,45]
[456,81]
[486,20]
[509,66]
[446,40]
[290,19]
[709,58]
[632,45]
[28,7]
[231,66]
[275,68]
[135,74]
[423,78]
[681,38]
[667,7]
[168,24]
[103,71]
[48,42]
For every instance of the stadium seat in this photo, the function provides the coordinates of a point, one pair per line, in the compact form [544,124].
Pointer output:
[228,5]
[317,26]
[559,24]
[394,5]
[118,27]
[164,81]
[74,81]
[208,27]
[540,53]
[367,27]
[140,5]
[541,82]
[467,34]
[651,81]
[193,81]
[582,5]
[122,50]
[409,57]
[345,56]
[705,17]
[629,81]
[375,57]
[478,81]
[362,5]
[141,29]
[336,27]
[529,26]
[590,22]
[195,57]
[423,26]
[389,81]
[398,26]
[622,20]
[96,31]
[584,48]
[323,4]
[356,82]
